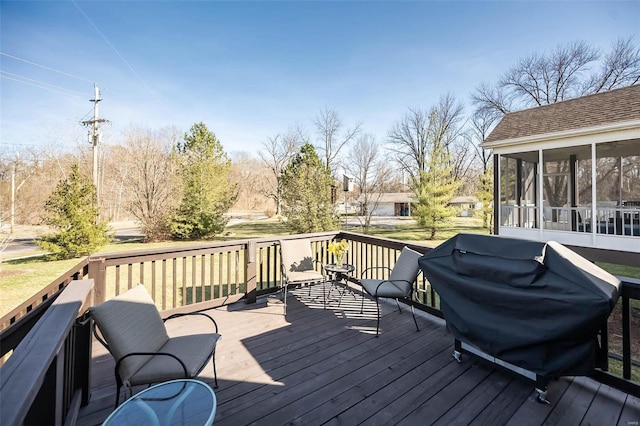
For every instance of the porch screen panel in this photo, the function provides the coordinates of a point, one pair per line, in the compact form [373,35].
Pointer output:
[631,179]
[556,171]
[518,189]
[618,187]
[507,191]
[528,194]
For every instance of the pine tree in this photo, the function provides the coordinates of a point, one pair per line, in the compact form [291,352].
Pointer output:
[71,211]
[485,195]
[307,193]
[434,189]
[207,193]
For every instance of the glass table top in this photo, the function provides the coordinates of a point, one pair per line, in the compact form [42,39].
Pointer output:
[177,402]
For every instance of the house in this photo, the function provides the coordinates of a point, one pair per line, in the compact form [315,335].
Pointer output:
[389,203]
[570,172]
[466,204]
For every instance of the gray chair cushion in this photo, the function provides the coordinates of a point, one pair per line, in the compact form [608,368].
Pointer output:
[406,267]
[193,350]
[400,281]
[384,288]
[129,323]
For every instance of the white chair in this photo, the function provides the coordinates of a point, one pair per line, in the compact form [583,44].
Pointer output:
[299,267]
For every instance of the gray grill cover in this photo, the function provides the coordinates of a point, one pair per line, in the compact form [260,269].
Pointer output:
[536,305]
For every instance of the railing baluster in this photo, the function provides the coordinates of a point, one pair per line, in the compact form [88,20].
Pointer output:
[129,275]
[164,284]
[626,338]
[153,280]
[183,300]
[117,279]
[175,282]
[228,286]
[203,265]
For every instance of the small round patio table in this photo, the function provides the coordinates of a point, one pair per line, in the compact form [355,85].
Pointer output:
[177,402]
[340,272]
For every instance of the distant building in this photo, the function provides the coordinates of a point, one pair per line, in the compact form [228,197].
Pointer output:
[401,204]
[467,205]
[389,204]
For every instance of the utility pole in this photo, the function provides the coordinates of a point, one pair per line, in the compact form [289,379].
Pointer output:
[94,138]
[13,198]
[14,189]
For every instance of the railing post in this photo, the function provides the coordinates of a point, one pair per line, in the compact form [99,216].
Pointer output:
[97,271]
[82,357]
[251,271]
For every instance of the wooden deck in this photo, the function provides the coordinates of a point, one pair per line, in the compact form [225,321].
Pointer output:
[325,366]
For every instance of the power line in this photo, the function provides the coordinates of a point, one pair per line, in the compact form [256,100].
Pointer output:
[42,87]
[42,84]
[45,67]
[116,50]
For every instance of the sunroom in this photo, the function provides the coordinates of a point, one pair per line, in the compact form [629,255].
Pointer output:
[570,172]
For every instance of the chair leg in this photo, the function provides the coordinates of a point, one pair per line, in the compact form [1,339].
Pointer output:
[414,318]
[398,303]
[215,373]
[378,322]
[324,294]
[118,388]
[285,299]
[362,304]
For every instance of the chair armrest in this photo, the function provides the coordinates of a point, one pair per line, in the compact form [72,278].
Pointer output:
[98,335]
[192,313]
[372,268]
[321,265]
[184,367]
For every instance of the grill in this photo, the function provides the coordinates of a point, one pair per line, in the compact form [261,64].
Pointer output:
[533,305]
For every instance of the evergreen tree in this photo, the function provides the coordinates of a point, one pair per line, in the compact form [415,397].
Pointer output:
[207,194]
[485,195]
[71,211]
[434,189]
[307,193]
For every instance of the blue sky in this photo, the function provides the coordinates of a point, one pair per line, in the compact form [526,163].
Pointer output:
[250,70]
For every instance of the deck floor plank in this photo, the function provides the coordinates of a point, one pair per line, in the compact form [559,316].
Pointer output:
[501,409]
[470,407]
[319,366]
[606,407]
[630,415]
[571,409]
[321,369]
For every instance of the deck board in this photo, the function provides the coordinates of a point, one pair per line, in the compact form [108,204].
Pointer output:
[325,366]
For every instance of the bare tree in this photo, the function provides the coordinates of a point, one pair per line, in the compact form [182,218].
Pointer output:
[251,176]
[620,68]
[564,73]
[409,143]
[329,126]
[371,172]
[278,151]
[149,180]
[482,123]
[413,138]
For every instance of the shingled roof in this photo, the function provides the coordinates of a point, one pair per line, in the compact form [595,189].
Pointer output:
[604,108]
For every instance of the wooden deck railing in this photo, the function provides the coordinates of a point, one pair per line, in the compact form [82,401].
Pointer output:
[78,272]
[207,275]
[47,377]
